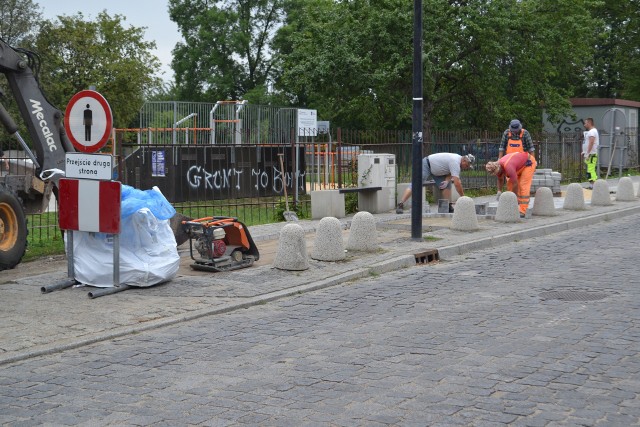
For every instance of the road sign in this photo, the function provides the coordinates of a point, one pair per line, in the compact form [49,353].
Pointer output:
[88,121]
[89,166]
[88,205]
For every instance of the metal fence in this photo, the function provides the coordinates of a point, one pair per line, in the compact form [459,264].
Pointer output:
[220,123]
[327,160]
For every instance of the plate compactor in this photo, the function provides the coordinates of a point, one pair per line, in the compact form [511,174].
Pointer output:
[223,244]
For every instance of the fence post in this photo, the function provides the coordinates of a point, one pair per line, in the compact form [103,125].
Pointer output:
[339,156]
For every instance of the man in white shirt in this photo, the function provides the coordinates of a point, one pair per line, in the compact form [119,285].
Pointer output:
[590,150]
[444,168]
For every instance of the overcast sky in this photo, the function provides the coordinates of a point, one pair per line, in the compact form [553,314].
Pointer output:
[152,14]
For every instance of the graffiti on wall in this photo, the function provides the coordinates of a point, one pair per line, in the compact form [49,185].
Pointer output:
[568,127]
[198,178]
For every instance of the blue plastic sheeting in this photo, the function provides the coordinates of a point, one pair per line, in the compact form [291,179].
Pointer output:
[132,200]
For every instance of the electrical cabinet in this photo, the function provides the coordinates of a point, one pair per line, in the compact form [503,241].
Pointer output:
[378,170]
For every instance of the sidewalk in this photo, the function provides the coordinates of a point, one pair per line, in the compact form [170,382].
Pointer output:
[32,323]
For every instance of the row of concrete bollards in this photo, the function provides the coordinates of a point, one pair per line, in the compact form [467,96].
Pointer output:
[328,244]
[465,219]
[574,199]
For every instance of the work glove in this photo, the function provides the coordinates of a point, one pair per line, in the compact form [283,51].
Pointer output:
[498,195]
[444,184]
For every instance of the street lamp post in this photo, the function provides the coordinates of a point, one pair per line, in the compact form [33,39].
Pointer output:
[416,176]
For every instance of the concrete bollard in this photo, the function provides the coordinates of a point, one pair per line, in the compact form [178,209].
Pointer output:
[600,195]
[625,192]
[574,198]
[464,215]
[292,249]
[543,203]
[362,234]
[507,208]
[328,245]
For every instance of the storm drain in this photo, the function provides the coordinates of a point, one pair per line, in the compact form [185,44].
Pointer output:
[427,257]
[573,295]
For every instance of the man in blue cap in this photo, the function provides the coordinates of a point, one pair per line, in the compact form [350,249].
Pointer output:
[515,140]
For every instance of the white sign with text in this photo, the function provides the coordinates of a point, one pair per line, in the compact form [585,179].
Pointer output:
[89,166]
[307,122]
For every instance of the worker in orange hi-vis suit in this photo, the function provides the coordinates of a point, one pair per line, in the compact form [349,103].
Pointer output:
[519,169]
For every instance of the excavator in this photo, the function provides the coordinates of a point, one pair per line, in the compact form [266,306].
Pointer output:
[24,191]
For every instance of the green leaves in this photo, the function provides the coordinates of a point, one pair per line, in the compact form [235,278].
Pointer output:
[227,50]
[485,62]
[104,53]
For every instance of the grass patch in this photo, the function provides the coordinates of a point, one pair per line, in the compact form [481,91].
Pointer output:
[480,192]
[432,238]
[45,238]
[249,211]
[43,248]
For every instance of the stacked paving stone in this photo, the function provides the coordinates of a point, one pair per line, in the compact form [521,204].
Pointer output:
[546,178]
[362,234]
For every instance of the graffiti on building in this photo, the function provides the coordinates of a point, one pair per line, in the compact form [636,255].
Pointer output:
[199,178]
[568,127]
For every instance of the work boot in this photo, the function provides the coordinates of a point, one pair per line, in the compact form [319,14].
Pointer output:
[450,207]
[400,208]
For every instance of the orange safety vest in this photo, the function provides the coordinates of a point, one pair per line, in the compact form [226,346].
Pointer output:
[515,145]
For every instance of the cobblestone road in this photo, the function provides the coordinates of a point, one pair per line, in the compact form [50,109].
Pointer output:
[538,332]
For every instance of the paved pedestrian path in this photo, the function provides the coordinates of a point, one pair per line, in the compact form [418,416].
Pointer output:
[32,323]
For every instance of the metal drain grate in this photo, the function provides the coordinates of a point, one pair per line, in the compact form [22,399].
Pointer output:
[573,295]
[427,257]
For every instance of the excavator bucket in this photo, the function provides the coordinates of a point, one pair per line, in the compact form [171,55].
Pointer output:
[179,231]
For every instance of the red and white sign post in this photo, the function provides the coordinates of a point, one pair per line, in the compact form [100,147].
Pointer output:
[88,121]
[92,206]
[89,199]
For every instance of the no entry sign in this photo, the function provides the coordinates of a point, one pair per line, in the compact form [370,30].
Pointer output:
[88,121]
[88,205]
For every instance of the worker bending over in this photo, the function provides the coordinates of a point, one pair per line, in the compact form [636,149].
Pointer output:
[518,168]
[445,169]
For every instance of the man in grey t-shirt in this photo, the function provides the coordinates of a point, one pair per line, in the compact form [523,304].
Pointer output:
[445,169]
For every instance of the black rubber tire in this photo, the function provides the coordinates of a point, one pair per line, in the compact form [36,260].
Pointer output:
[13,229]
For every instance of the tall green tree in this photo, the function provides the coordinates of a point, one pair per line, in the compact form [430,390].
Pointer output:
[485,61]
[612,71]
[227,47]
[530,54]
[349,60]
[77,53]
[19,21]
